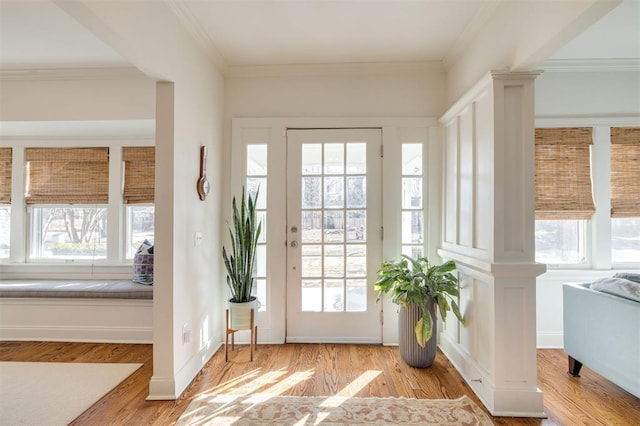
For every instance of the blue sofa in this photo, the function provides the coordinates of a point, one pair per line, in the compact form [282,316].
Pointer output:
[602,331]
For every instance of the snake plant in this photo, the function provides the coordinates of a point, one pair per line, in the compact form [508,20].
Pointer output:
[240,261]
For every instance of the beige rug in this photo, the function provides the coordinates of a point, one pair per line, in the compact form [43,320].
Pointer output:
[266,409]
[54,393]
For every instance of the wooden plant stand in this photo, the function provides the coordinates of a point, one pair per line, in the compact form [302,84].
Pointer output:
[230,331]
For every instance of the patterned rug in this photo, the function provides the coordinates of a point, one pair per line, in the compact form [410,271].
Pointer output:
[268,409]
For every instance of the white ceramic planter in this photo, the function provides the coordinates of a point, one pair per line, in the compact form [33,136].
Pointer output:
[240,314]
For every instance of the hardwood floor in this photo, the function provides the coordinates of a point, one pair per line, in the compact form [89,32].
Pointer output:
[323,370]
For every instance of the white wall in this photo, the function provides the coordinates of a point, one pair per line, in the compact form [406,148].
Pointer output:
[565,97]
[116,94]
[395,90]
[189,110]
[592,95]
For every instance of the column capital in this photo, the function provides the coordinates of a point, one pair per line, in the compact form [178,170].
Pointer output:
[505,74]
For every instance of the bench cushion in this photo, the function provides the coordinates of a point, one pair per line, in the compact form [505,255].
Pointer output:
[90,289]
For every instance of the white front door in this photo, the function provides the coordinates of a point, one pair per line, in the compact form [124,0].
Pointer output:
[334,233]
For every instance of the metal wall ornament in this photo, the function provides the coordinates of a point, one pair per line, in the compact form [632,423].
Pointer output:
[203,184]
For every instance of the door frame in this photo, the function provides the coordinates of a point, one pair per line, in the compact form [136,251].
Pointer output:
[272,131]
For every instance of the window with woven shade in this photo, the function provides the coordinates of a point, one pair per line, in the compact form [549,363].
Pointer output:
[5,175]
[139,174]
[625,172]
[563,173]
[138,195]
[67,175]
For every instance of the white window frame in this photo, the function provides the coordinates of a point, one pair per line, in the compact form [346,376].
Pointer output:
[18,263]
[597,234]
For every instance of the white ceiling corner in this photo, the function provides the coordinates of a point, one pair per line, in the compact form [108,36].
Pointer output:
[195,28]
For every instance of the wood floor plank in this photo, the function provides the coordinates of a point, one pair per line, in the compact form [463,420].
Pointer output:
[326,370]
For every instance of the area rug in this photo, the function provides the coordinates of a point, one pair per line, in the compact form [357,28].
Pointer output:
[54,393]
[266,409]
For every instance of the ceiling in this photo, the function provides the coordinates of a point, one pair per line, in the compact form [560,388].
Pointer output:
[39,35]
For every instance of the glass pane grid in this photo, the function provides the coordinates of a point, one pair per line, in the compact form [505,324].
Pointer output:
[412,212]
[257,181]
[333,227]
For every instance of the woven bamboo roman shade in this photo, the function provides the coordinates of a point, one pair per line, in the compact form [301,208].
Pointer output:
[563,174]
[139,174]
[67,175]
[625,172]
[5,175]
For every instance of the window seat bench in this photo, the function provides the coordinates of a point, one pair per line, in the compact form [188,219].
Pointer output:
[92,289]
[76,310]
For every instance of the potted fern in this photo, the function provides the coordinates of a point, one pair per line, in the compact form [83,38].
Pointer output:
[419,288]
[240,261]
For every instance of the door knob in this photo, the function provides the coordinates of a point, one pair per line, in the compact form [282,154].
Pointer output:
[294,243]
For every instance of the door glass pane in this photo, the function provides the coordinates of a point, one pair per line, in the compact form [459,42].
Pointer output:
[334,260]
[356,225]
[311,261]
[312,295]
[311,192]
[334,158]
[333,295]
[333,226]
[312,159]
[356,260]
[356,158]
[357,295]
[333,192]
[334,213]
[311,226]
[356,192]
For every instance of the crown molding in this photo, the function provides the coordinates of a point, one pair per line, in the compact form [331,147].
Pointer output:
[194,27]
[108,73]
[369,68]
[82,130]
[591,65]
[617,120]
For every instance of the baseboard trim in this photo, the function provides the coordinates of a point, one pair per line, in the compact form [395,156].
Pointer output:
[499,402]
[550,341]
[170,388]
[141,335]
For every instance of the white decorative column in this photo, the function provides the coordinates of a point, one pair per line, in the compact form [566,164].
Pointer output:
[488,229]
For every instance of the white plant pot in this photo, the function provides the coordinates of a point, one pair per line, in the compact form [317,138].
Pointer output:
[240,314]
